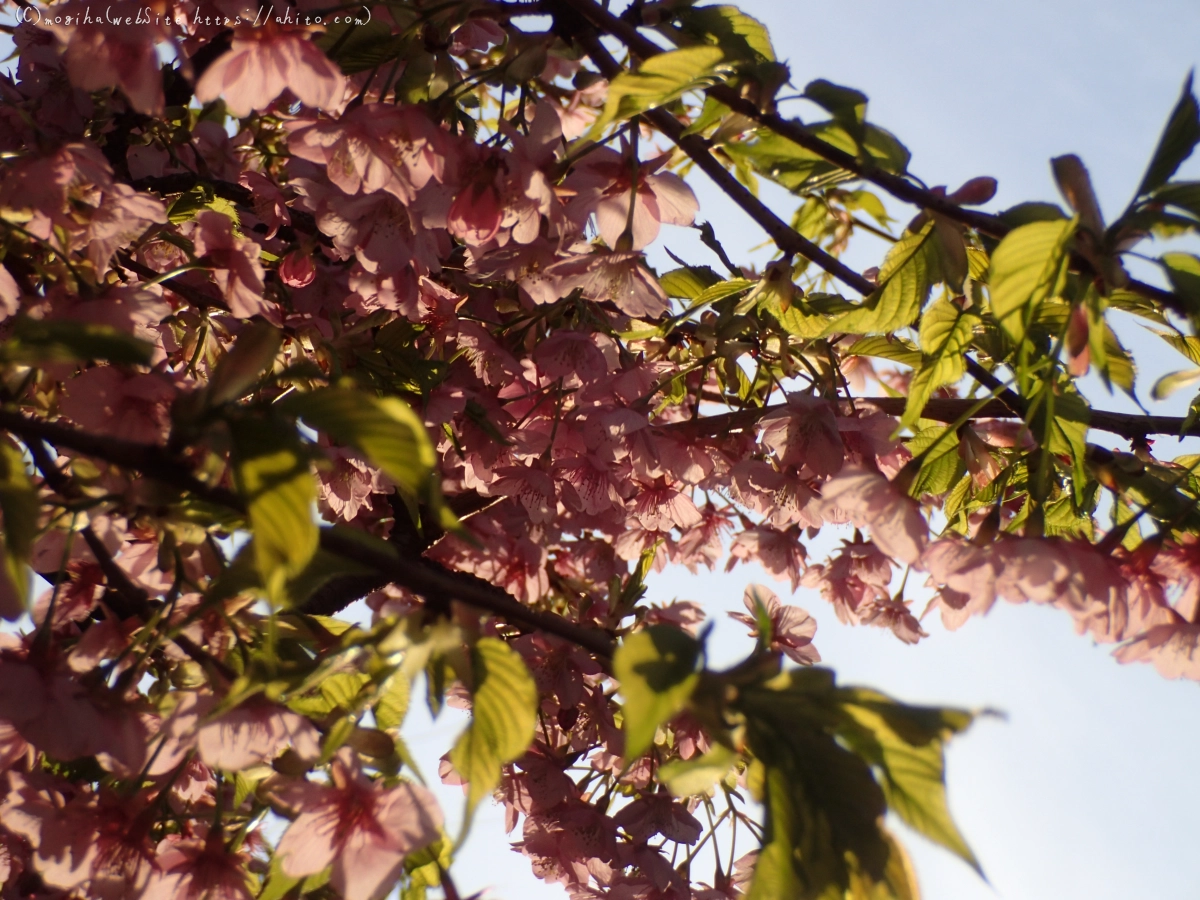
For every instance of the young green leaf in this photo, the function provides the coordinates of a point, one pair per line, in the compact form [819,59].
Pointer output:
[240,370]
[19,504]
[905,279]
[1173,381]
[504,715]
[271,471]
[1178,140]
[741,37]
[946,331]
[909,756]
[657,671]
[1183,271]
[689,777]
[658,81]
[392,705]
[1027,267]
[384,429]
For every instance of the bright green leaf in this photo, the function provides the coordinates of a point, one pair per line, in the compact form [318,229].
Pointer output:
[504,716]
[1173,381]
[384,429]
[1027,267]
[946,331]
[1183,271]
[392,706]
[741,37]
[689,777]
[656,668]
[271,472]
[20,506]
[905,279]
[687,283]
[658,81]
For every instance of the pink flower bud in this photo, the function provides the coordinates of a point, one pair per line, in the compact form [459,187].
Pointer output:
[297,270]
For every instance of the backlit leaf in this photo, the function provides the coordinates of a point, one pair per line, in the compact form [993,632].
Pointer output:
[658,81]
[19,504]
[503,718]
[34,341]
[271,471]
[657,671]
[384,429]
[905,279]
[1027,267]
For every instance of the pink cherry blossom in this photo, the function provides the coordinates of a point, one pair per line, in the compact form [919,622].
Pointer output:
[604,181]
[870,501]
[239,272]
[265,61]
[359,827]
[792,628]
[198,869]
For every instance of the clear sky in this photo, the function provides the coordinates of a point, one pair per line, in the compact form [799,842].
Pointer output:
[1089,788]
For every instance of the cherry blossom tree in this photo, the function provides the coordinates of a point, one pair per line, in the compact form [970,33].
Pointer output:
[315,305]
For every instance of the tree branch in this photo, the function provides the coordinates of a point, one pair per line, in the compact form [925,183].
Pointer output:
[896,185]
[420,575]
[1126,425]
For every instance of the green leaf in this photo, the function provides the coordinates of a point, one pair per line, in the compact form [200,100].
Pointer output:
[1184,195]
[271,472]
[905,280]
[1186,344]
[1178,140]
[34,341]
[741,37]
[504,717]
[392,706]
[847,105]
[946,331]
[239,371]
[887,347]
[20,506]
[1173,381]
[687,283]
[1027,267]
[383,429]
[658,81]
[656,668]
[277,884]
[689,777]
[1183,271]
[910,757]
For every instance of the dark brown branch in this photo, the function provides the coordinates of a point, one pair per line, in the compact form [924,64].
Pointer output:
[899,187]
[785,237]
[1126,425]
[126,598]
[422,576]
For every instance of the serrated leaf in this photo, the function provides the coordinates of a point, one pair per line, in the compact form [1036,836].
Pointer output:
[887,347]
[271,472]
[687,283]
[741,37]
[1027,267]
[1178,139]
[35,341]
[905,279]
[946,332]
[383,429]
[504,705]
[658,81]
[392,705]
[656,668]
[689,777]
[1188,345]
